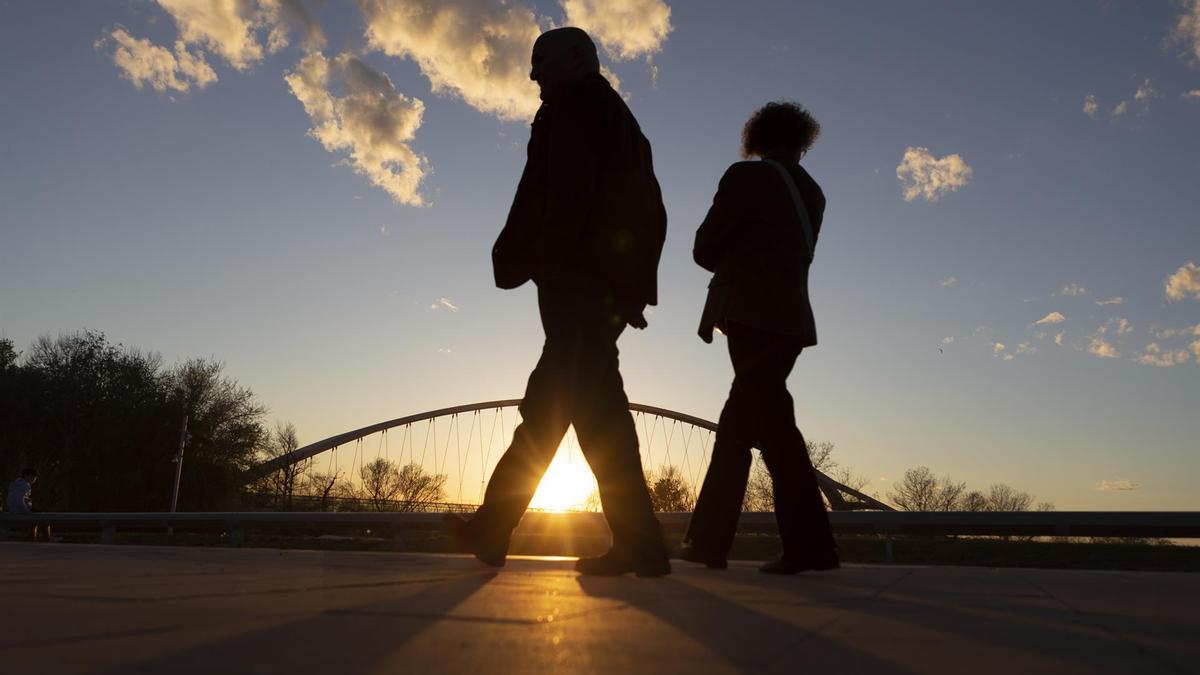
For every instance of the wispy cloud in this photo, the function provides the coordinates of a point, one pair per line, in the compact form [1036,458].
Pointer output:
[475,50]
[233,29]
[1184,283]
[949,339]
[1099,346]
[1154,355]
[1058,338]
[1187,30]
[1145,91]
[1090,106]
[1142,96]
[927,177]
[370,121]
[1172,332]
[444,303]
[1051,318]
[225,28]
[948,281]
[144,63]
[287,16]
[1026,348]
[627,29]
[1072,289]
[1110,301]
[1102,343]
[1117,485]
[1193,95]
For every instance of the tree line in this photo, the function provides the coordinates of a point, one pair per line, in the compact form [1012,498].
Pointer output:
[101,422]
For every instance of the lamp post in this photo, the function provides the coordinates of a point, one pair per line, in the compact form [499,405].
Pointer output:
[183,438]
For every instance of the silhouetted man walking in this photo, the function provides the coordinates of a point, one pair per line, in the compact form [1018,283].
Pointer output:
[587,226]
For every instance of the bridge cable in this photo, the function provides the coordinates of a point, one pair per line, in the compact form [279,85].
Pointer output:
[654,423]
[480,439]
[687,442]
[706,452]
[446,450]
[406,439]
[670,436]
[357,450]
[462,465]
[646,435]
[429,427]
[484,457]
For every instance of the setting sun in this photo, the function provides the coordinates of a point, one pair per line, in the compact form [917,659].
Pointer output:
[568,483]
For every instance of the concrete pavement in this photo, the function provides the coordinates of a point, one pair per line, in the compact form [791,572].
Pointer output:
[129,609]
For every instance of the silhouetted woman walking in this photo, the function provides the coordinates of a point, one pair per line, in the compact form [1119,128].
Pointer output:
[758,240]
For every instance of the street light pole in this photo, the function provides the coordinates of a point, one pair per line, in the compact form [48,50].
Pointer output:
[183,437]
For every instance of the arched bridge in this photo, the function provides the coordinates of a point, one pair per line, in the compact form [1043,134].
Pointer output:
[467,446]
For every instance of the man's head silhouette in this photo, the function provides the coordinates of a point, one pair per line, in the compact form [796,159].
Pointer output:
[561,56]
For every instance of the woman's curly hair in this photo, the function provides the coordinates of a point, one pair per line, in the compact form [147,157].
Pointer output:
[779,124]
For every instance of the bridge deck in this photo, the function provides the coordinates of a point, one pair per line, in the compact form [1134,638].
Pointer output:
[79,608]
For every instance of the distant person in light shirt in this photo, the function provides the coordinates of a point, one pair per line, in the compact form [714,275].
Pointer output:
[20,501]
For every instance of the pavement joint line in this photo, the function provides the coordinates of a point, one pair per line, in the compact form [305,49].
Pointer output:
[808,635]
[1088,618]
[891,584]
[844,612]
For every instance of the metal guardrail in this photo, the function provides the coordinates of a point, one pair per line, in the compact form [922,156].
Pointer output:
[1164,524]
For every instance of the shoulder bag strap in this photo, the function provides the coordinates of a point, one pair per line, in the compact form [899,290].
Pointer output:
[798,202]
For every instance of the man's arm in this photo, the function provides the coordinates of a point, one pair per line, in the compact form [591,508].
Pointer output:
[714,236]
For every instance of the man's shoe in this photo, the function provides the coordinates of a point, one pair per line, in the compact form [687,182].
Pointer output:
[487,553]
[614,565]
[692,554]
[795,566]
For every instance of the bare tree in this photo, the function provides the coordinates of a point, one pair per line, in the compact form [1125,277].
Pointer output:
[821,455]
[322,486]
[974,501]
[920,490]
[380,483]
[760,491]
[1002,497]
[669,491]
[417,489]
[283,484]
[846,476]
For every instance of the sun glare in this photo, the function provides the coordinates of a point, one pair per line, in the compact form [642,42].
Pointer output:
[568,482]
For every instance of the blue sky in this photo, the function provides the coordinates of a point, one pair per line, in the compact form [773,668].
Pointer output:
[211,222]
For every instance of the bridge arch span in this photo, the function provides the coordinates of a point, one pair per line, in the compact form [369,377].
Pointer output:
[840,497]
